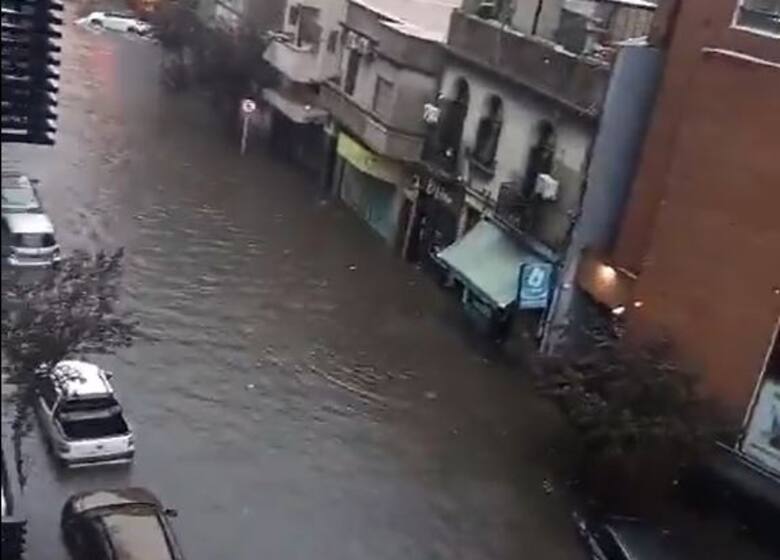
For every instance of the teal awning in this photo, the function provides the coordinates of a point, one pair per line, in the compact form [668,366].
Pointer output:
[488,261]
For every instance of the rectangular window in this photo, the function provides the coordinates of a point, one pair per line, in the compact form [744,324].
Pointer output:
[759,15]
[333,40]
[292,15]
[309,30]
[383,97]
[353,65]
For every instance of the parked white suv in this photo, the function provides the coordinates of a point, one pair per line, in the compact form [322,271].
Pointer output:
[117,21]
[19,194]
[81,417]
[28,240]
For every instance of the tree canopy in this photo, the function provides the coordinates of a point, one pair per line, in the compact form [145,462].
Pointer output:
[69,311]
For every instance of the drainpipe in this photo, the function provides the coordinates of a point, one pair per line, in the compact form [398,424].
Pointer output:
[537,16]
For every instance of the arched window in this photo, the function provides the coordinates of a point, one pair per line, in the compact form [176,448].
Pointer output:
[455,114]
[450,130]
[489,131]
[540,159]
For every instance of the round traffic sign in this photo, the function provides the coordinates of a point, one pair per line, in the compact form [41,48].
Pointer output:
[248,106]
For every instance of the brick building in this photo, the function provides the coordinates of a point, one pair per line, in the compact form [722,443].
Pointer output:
[697,254]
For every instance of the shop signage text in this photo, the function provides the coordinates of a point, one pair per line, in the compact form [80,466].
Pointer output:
[436,190]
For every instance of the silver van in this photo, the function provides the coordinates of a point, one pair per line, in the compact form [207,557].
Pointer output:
[28,240]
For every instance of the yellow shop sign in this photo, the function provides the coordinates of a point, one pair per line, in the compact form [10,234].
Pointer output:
[367,161]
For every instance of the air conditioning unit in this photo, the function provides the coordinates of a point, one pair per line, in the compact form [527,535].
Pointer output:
[363,46]
[546,187]
[431,113]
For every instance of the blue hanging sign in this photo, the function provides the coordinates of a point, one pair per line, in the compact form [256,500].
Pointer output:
[535,285]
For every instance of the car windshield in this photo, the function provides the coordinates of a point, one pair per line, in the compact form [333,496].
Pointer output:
[34,240]
[80,426]
[19,199]
[136,533]
[93,404]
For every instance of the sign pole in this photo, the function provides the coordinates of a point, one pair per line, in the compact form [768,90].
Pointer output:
[244,132]
[248,107]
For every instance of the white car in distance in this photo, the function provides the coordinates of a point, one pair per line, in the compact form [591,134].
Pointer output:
[117,21]
[81,418]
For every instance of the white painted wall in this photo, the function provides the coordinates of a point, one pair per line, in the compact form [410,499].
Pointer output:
[522,113]
[411,91]
[332,13]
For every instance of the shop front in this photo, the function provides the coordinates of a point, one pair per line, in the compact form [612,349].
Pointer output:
[296,125]
[367,183]
[502,281]
[435,224]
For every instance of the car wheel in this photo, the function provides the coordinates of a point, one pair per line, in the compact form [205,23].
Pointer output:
[133,30]
[96,23]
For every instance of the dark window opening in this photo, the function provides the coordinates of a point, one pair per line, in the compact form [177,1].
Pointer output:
[309,30]
[446,138]
[90,428]
[488,133]
[333,39]
[383,97]
[540,159]
[761,15]
[292,15]
[353,65]
[88,405]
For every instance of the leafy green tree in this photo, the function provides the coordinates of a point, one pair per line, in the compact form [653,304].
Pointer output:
[69,311]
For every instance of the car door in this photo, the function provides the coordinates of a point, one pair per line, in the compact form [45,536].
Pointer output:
[112,22]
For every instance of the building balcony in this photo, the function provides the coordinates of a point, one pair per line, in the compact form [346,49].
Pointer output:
[547,69]
[299,63]
[382,138]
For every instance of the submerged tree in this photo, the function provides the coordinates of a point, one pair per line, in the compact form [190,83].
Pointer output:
[71,310]
[639,413]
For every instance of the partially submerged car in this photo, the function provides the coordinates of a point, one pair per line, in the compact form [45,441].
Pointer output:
[81,417]
[126,524]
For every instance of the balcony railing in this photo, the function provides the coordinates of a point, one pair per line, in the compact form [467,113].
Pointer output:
[574,81]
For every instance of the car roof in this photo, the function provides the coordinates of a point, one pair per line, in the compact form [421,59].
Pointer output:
[641,540]
[138,533]
[29,223]
[94,499]
[81,378]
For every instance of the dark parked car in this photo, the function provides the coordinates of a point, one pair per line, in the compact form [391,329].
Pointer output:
[625,538]
[128,523]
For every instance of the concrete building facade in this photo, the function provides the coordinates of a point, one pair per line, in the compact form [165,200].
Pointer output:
[390,61]
[305,52]
[518,119]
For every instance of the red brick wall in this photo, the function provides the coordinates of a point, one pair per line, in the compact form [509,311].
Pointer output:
[698,24]
[703,225]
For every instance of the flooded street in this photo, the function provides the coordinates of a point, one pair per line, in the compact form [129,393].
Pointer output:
[303,393]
